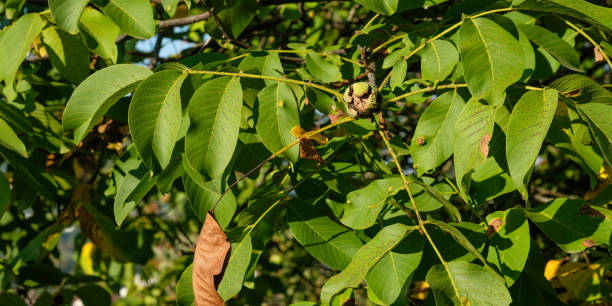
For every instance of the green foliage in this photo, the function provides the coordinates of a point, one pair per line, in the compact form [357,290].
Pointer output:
[353,152]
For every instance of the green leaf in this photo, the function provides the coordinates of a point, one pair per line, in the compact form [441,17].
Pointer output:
[240,257]
[321,101]
[582,89]
[527,129]
[36,176]
[365,258]
[467,284]
[204,194]
[277,114]
[184,288]
[528,56]
[492,58]
[214,111]
[324,239]
[562,221]
[553,44]
[5,194]
[67,54]
[438,60]
[134,185]
[155,116]
[94,96]
[384,7]
[596,15]
[598,117]
[15,43]
[509,243]
[459,238]
[94,295]
[393,273]
[8,298]
[262,63]
[10,140]
[436,129]
[398,74]
[134,17]
[322,69]
[67,13]
[471,146]
[364,205]
[170,6]
[99,33]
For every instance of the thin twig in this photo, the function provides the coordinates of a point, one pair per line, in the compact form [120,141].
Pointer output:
[306,135]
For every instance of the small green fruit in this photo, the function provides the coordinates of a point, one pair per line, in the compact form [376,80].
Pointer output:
[361,99]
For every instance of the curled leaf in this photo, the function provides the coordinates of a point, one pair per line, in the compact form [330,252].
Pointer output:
[208,261]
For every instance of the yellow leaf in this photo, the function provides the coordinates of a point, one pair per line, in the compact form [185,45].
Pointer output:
[85,260]
[552,268]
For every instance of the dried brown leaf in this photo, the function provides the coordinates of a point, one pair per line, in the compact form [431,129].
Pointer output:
[208,261]
[484,145]
[598,55]
[494,226]
[308,151]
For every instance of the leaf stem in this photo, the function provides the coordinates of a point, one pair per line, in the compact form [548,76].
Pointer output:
[448,30]
[414,207]
[591,40]
[267,77]
[426,89]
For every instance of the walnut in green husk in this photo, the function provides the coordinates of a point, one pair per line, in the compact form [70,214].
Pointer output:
[361,99]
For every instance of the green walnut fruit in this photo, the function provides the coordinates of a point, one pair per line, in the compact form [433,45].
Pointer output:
[361,99]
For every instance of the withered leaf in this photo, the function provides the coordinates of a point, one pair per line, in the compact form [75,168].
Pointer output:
[308,151]
[484,145]
[208,261]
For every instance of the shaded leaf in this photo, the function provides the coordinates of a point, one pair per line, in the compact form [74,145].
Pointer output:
[10,140]
[560,49]
[99,33]
[508,243]
[240,257]
[184,288]
[93,295]
[155,116]
[365,258]
[324,239]
[277,115]
[598,117]
[594,14]
[467,284]
[133,187]
[214,111]
[36,176]
[322,69]
[582,89]
[563,223]
[529,123]
[67,54]
[204,194]
[393,273]
[67,13]
[15,43]
[5,194]
[385,7]
[94,96]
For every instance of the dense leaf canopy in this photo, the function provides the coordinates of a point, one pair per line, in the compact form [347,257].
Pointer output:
[277,152]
